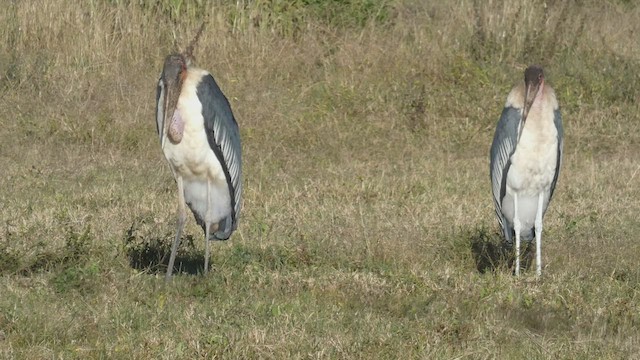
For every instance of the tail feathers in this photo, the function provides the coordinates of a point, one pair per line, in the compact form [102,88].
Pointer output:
[526,235]
[224,230]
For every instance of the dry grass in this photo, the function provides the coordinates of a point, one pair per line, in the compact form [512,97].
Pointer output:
[366,174]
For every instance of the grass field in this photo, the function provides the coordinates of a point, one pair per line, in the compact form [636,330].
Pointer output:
[368,222]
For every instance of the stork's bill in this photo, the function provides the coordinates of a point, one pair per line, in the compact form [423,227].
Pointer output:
[173,75]
[533,87]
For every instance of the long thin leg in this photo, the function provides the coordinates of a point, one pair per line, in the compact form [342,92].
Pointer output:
[207,229]
[516,227]
[182,219]
[538,225]
[206,247]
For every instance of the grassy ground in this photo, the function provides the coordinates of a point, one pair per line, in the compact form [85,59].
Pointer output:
[368,221]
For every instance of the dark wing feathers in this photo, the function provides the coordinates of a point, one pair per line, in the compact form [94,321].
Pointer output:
[557,121]
[503,146]
[224,138]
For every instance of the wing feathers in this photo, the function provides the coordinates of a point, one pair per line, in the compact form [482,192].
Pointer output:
[224,138]
[557,120]
[503,146]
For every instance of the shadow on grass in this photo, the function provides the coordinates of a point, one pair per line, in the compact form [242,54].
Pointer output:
[151,254]
[491,253]
[148,251]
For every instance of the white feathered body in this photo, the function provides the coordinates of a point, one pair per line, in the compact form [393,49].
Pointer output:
[193,159]
[533,164]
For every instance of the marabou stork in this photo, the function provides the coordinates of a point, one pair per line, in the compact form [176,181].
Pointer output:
[525,160]
[200,139]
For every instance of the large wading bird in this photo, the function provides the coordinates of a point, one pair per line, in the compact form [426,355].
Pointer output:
[200,139]
[525,161]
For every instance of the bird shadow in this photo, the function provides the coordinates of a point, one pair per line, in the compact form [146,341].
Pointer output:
[151,253]
[490,253]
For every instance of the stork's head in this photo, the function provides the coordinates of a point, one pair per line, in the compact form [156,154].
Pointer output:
[533,85]
[174,66]
[173,75]
[172,78]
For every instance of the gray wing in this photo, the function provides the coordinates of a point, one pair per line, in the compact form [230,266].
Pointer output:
[557,121]
[224,139]
[503,146]
[160,94]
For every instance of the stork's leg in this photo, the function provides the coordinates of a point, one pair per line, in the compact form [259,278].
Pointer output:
[517,226]
[206,246]
[207,231]
[538,225]
[182,219]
